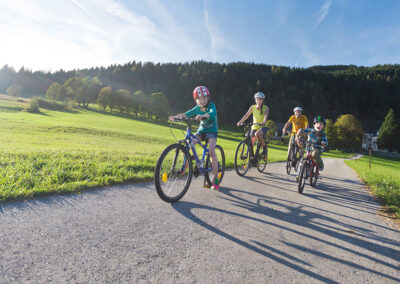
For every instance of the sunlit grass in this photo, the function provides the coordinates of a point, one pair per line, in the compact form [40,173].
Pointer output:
[383,179]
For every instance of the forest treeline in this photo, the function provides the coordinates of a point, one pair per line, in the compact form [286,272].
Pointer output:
[366,92]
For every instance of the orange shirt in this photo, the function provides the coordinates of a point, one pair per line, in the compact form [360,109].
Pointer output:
[298,123]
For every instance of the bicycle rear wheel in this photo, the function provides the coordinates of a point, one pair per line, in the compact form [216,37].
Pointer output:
[314,176]
[289,160]
[173,173]
[242,156]
[221,165]
[302,177]
[262,160]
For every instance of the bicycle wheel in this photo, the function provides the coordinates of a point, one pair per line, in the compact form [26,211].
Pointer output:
[221,165]
[296,168]
[289,160]
[173,173]
[313,176]
[302,177]
[262,161]
[242,157]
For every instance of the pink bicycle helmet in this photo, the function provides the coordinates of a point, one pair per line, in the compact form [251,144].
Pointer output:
[200,91]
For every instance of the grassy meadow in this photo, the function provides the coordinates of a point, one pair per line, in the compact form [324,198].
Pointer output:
[56,152]
[383,179]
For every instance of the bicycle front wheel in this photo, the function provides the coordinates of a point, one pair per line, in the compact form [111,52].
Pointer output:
[262,161]
[313,176]
[173,173]
[302,177]
[289,160]
[242,156]
[219,152]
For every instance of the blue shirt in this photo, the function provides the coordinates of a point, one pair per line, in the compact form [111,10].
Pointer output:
[316,137]
[208,125]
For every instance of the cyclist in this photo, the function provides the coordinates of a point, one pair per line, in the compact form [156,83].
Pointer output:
[298,120]
[206,112]
[260,115]
[316,135]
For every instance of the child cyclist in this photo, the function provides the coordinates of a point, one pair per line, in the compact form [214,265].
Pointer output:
[206,112]
[298,120]
[317,135]
[260,115]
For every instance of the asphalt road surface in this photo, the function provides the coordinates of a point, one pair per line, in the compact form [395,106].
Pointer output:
[256,229]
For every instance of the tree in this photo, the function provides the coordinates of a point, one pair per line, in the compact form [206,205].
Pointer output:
[349,133]
[73,89]
[331,133]
[159,105]
[104,97]
[388,133]
[121,98]
[54,92]
[91,89]
[14,90]
[271,127]
[140,100]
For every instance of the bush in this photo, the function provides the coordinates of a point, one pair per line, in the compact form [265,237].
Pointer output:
[33,106]
[52,105]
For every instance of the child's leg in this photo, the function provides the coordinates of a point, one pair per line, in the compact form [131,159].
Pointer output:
[317,157]
[212,142]
[260,137]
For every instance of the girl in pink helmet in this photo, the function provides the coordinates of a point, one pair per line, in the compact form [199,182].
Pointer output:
[205,112]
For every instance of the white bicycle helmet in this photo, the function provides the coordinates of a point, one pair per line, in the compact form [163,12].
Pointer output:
[298,108]
[259,95]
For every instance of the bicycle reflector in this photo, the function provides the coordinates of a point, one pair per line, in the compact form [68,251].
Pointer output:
[164,177]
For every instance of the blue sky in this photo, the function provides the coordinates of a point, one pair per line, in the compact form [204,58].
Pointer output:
[50,35]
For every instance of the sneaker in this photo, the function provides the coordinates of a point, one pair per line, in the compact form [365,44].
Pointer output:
[215,184]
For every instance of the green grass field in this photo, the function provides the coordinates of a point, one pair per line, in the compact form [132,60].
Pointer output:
[57,152]
[383,179]
[68,151]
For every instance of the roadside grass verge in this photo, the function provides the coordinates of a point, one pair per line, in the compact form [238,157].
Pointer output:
[383,178]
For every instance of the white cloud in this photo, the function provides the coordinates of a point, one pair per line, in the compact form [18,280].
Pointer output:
[68,34]
[322,13]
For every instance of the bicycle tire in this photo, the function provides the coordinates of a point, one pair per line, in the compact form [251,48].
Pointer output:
[314,176]
[221,165]
[289,160]
[296,168]
[172,179]
[302,177]
[262,161]
[242,156]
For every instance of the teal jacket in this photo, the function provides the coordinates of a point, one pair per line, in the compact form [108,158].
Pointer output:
[209,125]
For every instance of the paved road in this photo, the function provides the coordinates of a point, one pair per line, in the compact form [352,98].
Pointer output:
[257,229]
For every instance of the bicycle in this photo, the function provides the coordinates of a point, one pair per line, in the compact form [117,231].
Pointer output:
[308,168]
[174,169]
[245,157]
[292,159]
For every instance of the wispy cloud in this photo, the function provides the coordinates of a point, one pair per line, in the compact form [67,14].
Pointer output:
[322,13]
[73,34]
[305,49]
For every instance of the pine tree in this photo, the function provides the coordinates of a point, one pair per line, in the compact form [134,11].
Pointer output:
[388,132]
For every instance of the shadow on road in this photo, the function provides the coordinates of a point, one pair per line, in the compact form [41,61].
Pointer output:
[342,236]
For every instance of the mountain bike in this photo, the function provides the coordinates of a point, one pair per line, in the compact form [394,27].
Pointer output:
[245,157]
[308,169]
[174,169]
[295,154]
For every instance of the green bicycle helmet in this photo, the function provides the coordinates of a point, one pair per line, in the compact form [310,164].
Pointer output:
[319,118]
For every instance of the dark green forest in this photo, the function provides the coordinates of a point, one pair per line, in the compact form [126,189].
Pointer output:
[366,92]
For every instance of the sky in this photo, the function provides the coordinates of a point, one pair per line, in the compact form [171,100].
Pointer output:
[50,35]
